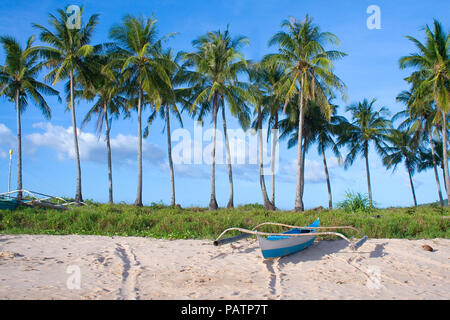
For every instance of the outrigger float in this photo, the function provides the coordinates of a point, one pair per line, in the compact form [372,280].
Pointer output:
[34,199]
[275,245]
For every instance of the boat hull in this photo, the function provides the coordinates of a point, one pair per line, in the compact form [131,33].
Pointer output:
[278,246]
[9,204]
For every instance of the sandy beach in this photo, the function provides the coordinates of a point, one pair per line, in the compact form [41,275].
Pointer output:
[99,267]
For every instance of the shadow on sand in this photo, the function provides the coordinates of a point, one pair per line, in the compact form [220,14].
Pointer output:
[316,251]
[378,252]
[247,246]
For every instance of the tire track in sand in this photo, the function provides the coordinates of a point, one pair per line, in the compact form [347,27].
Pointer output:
[274,283]
[130,272]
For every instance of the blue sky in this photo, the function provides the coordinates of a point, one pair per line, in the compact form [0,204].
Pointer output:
[370,71]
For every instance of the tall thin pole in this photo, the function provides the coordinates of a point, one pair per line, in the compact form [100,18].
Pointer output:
[10,160]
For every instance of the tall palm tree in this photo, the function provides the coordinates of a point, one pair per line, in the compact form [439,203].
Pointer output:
[218,61]
[420,117]
[108,93]
[66,57]
[272,128]
[316,129]
[261,101]
[273,105]
[289,129]
[436,176]
[323,133]
[428,160]
[18,82]
[368,125]
[309,74]
[402,148]
[432,61]
[137,55]
[170,97]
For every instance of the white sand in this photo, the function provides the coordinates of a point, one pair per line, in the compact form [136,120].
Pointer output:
[35,267]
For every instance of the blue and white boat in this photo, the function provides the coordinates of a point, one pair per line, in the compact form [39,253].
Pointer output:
[274,245]
[34,199]
[282,245]
[6,203]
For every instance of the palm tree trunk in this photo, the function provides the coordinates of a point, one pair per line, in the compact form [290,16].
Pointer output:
[298,193]
[330,200]
[274,146]
[302,169]
[169,151]
[267,204]
[441,201]
[227,146]
[445,157]
[412,187]
[138,201]
[213,202]
[369,188]
[78,196]
[108,147]
[443,175]
[19,148]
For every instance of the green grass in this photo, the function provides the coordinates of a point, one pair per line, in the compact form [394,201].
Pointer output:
[160,221]
[355,202]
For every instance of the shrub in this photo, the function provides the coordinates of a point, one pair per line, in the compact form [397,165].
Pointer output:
[355,202]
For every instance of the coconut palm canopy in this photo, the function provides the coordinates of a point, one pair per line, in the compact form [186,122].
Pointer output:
[143,75]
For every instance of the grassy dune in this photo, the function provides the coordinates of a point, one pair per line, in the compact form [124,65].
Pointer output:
[198,223]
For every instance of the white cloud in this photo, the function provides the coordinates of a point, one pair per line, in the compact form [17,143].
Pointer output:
[243,147]
[7,140]
[314,170]
[92,148]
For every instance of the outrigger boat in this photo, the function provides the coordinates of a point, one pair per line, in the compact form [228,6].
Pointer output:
[34,199]
[275,245]
[7,203]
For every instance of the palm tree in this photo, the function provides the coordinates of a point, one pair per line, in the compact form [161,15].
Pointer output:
[137,55]
[432,61]
[289,129]
[429,160]
[66,57]
[107,90]
[402,148]
[170,96]
[323,132]
[259,98]
[316,129]
[18,82]
[433,157]
[308,74]
[218,61]
[367,126]
[273,105]
[420,116]
[273,122]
